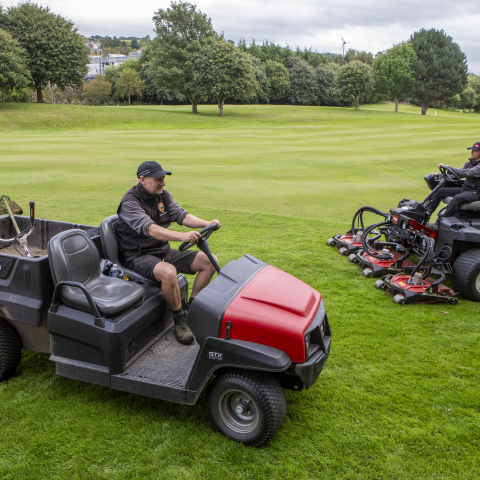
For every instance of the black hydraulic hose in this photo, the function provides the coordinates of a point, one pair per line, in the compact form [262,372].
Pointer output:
[365,245]
[428,253]
[359,213]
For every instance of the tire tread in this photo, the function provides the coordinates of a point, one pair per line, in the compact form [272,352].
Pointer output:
[273,399]
[10,350]
[463,268]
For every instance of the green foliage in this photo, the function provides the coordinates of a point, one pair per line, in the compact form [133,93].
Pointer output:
[355,81]
[181,30]
[270,51]
[263,92]
[134,44]
[13,73]
[55,51]
[303,82]
[327,93]
[440,68]
[97,91]
[278,78]
[468,98]
[221,71]
[154,94]
[128,84]
[394,74]
[353,56]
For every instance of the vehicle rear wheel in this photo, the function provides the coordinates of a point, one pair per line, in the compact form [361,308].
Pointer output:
[247,406]
[10,350]
[466,275]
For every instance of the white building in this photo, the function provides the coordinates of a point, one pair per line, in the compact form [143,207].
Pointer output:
[98,64]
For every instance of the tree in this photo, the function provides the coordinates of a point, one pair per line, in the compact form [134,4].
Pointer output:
[134,44]
[128,84]
[468,98]
[278,78]
[13,73]
[221,71]
[440,68]
[354,55]
[55,51]
[181,30]
[263,91]
[98,90]
[153,93]
[355,80]
[327,93]
[303,82]
[393,71]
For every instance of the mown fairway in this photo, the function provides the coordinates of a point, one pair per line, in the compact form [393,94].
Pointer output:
[399,397]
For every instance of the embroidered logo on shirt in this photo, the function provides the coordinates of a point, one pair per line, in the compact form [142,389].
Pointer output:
[161,207]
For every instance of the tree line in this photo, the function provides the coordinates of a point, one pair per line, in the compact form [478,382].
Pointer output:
[188,61]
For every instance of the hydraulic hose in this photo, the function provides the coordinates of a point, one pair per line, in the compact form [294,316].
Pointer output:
[365,240]
[359,213]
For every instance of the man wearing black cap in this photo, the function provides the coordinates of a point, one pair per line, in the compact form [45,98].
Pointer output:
[144,214]
[469,192]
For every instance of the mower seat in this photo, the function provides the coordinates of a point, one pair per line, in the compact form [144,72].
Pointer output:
[467,206]
[73,257]
[108,236]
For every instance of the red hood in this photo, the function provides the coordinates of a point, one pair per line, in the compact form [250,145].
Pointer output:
[273,309]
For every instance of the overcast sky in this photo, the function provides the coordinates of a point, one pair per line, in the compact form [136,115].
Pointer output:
[370,25]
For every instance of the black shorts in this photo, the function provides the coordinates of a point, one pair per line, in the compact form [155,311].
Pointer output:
[145,264]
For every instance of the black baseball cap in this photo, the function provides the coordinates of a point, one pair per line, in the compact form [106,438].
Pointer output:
[151,169]
[475,148]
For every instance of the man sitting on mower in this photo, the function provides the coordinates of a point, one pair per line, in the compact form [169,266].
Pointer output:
[144,214]
[469,192]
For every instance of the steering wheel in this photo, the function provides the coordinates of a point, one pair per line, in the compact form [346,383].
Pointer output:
[204,232]
[445,168]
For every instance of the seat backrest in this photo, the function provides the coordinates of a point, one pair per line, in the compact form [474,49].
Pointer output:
[74,257]
[108,235]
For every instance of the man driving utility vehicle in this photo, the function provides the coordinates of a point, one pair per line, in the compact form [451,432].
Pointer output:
[469,192]
[144,214]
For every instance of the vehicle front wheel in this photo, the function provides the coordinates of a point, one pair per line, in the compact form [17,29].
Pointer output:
[10,350]
[247,406]
[466,275]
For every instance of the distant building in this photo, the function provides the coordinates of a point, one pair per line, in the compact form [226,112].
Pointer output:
[98,64]
[92,46]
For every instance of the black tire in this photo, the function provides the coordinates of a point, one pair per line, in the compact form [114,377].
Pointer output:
[261,396]
[10,350]
[466,275]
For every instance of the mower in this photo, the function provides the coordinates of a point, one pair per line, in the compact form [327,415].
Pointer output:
[258,329]
[453,250]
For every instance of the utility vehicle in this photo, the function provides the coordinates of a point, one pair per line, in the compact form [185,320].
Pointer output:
[257,328]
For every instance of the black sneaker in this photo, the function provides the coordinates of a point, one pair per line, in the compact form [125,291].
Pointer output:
[182,332]
[432,226]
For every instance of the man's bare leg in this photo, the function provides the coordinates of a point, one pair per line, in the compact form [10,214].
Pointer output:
[167,274]
[205,269]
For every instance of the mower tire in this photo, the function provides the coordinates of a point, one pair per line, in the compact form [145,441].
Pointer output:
[246,406]
[466,275]
[10,350]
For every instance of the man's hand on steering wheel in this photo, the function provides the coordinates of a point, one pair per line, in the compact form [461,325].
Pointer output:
[190,237]
[215,221]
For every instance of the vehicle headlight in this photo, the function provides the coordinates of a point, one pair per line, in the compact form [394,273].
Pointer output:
[307,341]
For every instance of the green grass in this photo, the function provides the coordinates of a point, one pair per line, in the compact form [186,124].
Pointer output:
[399,396]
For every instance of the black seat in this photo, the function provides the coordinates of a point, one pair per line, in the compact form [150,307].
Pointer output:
[108,235]
[73,257]
[467,206]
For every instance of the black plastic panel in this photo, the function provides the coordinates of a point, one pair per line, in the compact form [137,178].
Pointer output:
[206,313]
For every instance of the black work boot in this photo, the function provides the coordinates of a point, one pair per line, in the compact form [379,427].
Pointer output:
[182,332]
